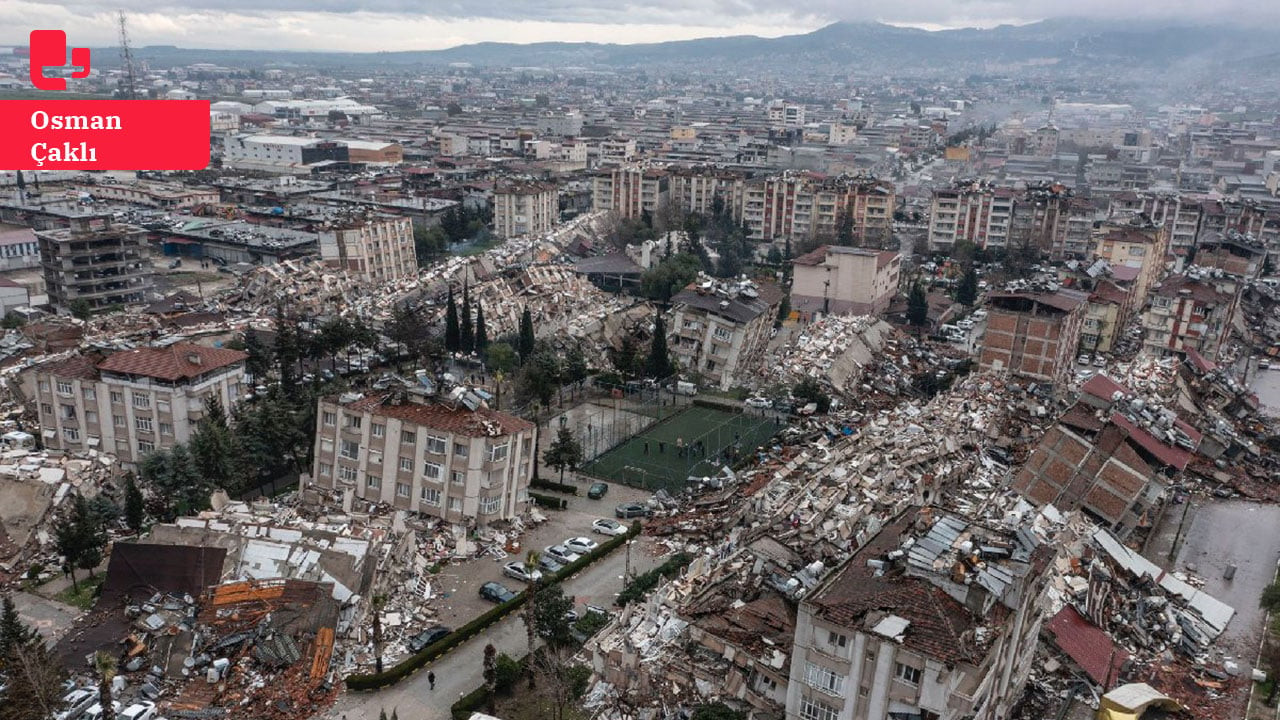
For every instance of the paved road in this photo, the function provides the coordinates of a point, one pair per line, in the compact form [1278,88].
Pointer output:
[459,672]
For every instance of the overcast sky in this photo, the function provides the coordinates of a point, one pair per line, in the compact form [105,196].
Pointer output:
[371,25]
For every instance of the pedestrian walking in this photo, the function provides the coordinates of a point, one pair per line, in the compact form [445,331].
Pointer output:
[431,680]
[646,447]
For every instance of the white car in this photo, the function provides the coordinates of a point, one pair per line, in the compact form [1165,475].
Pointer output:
[608,526]
[979,315]
[561,554]
[965,324]
[76,702]
[580,545]
[145,710]
[95,712]
[518,571]
[758,403]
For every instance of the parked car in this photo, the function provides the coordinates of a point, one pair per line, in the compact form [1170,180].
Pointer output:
[518,571]
[427,638]
[95,712]
[546,563]
[965,324]
[758,403]
[627,511]
[76,702]
[145,710]
[608,526]
[581,545]
[561,554]
[979,315]
[597,490]
[496,592]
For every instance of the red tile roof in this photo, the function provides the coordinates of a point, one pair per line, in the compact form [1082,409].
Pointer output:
[440,416]
[84,367]
[171,363]
[1167,454]
[1103,387]
[1086,644]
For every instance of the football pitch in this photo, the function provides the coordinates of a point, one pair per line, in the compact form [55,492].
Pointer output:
[654,458]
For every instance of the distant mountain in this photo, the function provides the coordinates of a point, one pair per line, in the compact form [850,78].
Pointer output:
[1068,44]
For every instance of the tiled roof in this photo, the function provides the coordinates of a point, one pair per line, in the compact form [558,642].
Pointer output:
[171,363]
[1166,454]
[1103,387]
[937,622]
[456,420]
[1090,647]
[84,367]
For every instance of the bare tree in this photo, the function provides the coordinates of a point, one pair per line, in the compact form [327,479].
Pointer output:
[34,677]
[531,563]
[561,682]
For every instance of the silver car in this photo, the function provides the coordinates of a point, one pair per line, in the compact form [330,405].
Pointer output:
[518,571]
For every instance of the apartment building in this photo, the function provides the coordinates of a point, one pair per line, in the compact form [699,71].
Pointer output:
[717,328]
[695,189]
[932,618]
[785,114]
[566,124]
[19,248]
[96,261]
[803,206]
[844,281]
[376,249]
[150,194]
[452,459]
[629,190]
[1188,312]
[524,208]
[1137,244]
[1033,333]
[131,402]
[1040,218]
[976,212]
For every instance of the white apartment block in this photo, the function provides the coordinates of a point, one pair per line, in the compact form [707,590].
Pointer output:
[719,328]
[980,215]
[19,248]
[629,191]
[844,281]
[468,467]
[524,208]
[376,250]
[131,402]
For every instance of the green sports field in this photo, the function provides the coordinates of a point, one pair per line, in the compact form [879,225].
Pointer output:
[653,460]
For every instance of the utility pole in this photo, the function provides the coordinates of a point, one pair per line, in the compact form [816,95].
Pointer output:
[126,60]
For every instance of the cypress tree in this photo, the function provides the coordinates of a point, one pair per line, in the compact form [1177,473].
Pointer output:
[482,333]
[452,335]
[658,364]
[526,340]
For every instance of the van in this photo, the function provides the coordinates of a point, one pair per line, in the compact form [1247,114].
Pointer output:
[686,388]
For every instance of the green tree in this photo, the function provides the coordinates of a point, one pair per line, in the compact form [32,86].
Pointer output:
[12,321]
[134,508]
[565,452]
[917,307]
[104,666]
[452,332]
[539,378]
[784,311]
[79,537]
[33,676]
[80,309]
[967,289]
[490,674]
[775,255]
[550,615]
[531,562]
[730,263]
[466,332]
[809,391]
[453,109]
[669,277]
[658,364]
[575,364]
[717,711]
[406,327]
[844,230]
[288,346]
[259,361]
[527,339]
[501,357]
[215,449]
[482,333]
[625,356]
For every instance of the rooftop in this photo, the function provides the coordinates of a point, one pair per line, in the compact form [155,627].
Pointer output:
[180,361]
[458,420]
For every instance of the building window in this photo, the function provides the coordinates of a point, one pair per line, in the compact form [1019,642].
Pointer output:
[142,424]
[430,496]
[118,420]
[432,471]
[166,428]
[837,639]
[43,385]
[146,446]
[142,401]
[458,477]
[68,412]
[325,470]
[816,676]
[350,450]
[90,416]
[71,434]
[64,387]
[348,474]
[721,334]
[329,418]
[403,490]
[354,422]
[455,504]
[906,673]
[46,409]
[489,505]
[408,437]
[811,709]
[378,430]
[435,445]
[163,405]
[498,452]
[89,394]
[459,449]
[117,397]
[372,480]
[406,464]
